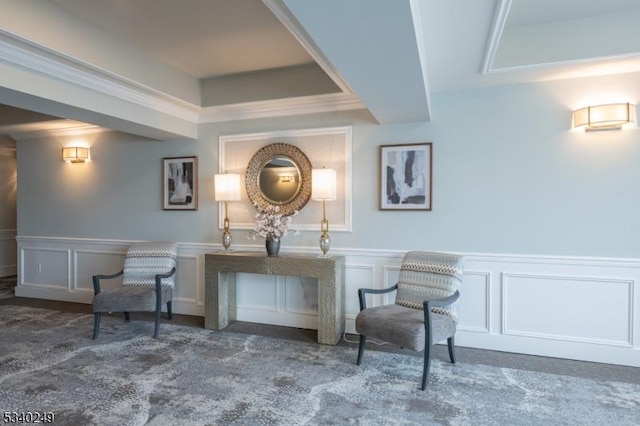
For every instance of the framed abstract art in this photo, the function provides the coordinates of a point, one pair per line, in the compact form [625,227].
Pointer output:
[180,183]
[405,176]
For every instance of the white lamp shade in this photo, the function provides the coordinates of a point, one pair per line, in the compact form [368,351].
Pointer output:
[227,187]
[610,116]
[323,184]
[75,154]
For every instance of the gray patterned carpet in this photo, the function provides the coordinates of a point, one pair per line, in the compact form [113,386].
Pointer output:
[7,287]
[192,376]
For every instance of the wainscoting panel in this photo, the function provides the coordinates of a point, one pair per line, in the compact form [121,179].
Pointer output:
[260,292]
[567,307]
[186,289]
[474,303]
[300,295]
[46,267]
[356,276]
[391,276]
[89,263]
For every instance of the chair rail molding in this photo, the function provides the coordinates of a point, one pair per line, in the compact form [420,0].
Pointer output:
[532,304]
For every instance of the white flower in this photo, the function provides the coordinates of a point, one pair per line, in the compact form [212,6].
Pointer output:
[271,224]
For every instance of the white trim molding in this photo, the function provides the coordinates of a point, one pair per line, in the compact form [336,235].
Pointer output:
[331,147]
[497,28]
[330,102]
[531,304]
[17,50]
[20,51]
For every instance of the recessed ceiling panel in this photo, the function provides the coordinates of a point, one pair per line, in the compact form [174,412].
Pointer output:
[202,38]
[546,32]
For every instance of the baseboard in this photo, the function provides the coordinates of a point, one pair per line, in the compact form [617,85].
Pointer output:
[8,270]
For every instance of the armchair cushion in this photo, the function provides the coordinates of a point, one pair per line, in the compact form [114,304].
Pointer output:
[429,276]
[130,299]
[403,326]
[144,260]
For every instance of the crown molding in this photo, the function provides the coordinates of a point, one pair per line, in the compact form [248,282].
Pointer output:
[422,54]
[281,107]
[497,28]
[17,50]
[38,58]
[51,128]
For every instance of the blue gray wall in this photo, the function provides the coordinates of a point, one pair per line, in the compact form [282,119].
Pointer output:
[509,177]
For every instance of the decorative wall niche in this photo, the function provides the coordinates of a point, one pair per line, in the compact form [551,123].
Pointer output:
[325,147]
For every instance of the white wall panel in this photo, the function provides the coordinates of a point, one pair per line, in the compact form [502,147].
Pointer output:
[45,267]
[474,302]
[186,283]
[590,306]
[90,263]
[301,295]
[356,277]
[255,291]
[586,309]
[391,276]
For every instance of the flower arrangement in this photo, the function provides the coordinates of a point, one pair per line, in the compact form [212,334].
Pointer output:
[271,224]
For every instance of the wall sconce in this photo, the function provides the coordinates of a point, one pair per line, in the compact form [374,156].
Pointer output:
[75,154]
[227,188]
[323,188]
[286,178]
[604,117]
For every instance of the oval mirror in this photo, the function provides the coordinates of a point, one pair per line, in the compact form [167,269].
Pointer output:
[279,175]
[279,180]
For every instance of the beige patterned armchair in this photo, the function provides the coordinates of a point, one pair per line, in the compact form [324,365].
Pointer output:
[147,283]
[424,312]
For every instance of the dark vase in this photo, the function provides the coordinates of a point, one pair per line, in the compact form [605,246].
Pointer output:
[273,247]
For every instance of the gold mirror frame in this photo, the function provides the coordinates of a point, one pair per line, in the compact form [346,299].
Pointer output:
[260,159]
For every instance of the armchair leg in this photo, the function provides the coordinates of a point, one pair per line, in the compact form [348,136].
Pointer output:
[96,325]
[157,324]
[169,313]
[452,349]
[427,365]
[363,341]
[127,318]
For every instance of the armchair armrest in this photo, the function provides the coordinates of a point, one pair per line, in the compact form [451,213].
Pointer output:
[159,278]
[362,292]
[167,275]
[430,304]
[442,302]
[97,278]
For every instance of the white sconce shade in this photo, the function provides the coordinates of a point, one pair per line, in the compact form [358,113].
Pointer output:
[604,117]
[227,187]
[75,154]
[323,184]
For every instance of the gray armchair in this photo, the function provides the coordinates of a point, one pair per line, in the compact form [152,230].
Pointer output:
[424,312]
[147,283]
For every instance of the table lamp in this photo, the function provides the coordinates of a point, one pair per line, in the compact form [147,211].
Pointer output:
[227,188]
[323,188]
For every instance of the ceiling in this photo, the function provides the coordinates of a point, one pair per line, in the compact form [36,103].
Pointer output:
[390,55]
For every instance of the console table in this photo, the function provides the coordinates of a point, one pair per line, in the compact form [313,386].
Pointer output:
[220,291]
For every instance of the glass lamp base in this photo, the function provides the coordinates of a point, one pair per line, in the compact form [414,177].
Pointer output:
[325,244]
[226,241]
